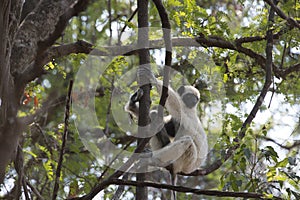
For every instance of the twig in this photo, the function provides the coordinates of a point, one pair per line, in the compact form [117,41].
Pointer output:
[125,26]
[19,166]
[64,140]
[115,175]
[109,20]
[34,190]
[273,92]
[106,129]
[295,144]
[283,55]
[26,193]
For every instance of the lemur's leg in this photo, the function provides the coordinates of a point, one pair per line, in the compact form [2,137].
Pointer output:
[184,146]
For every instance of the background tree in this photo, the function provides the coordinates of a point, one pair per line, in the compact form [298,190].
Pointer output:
[254,46]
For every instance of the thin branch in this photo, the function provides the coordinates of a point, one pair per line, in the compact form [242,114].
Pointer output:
[129,20]
[109,20]
[213,41]
[273,92]
[215,193]
[283,55]
[64,140]
[166,28]
[19,166]
[34,190]
[25,189]
[291,69]
[61,24]
[106,128]
[168,57]
[281,14]
[287,147]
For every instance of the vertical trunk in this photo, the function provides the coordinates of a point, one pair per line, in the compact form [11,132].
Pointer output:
[144,61]
[8,105]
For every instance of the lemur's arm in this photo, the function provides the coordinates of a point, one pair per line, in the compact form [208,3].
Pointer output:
[132,105]
[161,139]
[173,103]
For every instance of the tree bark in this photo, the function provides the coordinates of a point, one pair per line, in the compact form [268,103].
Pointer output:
[8,140]
[20,47]
[144,83]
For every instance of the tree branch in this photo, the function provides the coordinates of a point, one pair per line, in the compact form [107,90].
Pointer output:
[64,140]
[212,41]
[34,190]
[166,26]
[268,80]
[143,78]
[62,23]
[292,22]
[291,69]
[87,48]
[129,20]
[35,67]
[36,27]
[287,147]
[215,193]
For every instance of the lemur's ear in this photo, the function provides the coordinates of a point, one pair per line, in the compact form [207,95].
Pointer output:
[137,95]
[181,90]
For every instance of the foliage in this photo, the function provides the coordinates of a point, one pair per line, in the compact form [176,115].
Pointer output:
[264,163]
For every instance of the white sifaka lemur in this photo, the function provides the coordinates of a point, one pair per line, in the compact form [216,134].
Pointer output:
[181,144]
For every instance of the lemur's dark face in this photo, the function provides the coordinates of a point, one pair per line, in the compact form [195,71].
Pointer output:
[189,95]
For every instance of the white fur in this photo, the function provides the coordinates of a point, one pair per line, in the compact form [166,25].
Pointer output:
[189,149]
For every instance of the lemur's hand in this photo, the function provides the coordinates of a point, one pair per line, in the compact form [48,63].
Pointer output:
[137,95]
[159,85]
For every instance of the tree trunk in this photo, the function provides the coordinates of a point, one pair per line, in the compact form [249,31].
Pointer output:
[144,61]
[8,122]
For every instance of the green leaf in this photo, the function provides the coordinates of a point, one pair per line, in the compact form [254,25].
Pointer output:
[269,152]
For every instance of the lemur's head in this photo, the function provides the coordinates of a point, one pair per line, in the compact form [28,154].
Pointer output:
[189,95]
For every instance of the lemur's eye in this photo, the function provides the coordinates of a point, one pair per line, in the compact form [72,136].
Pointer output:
[190,100]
